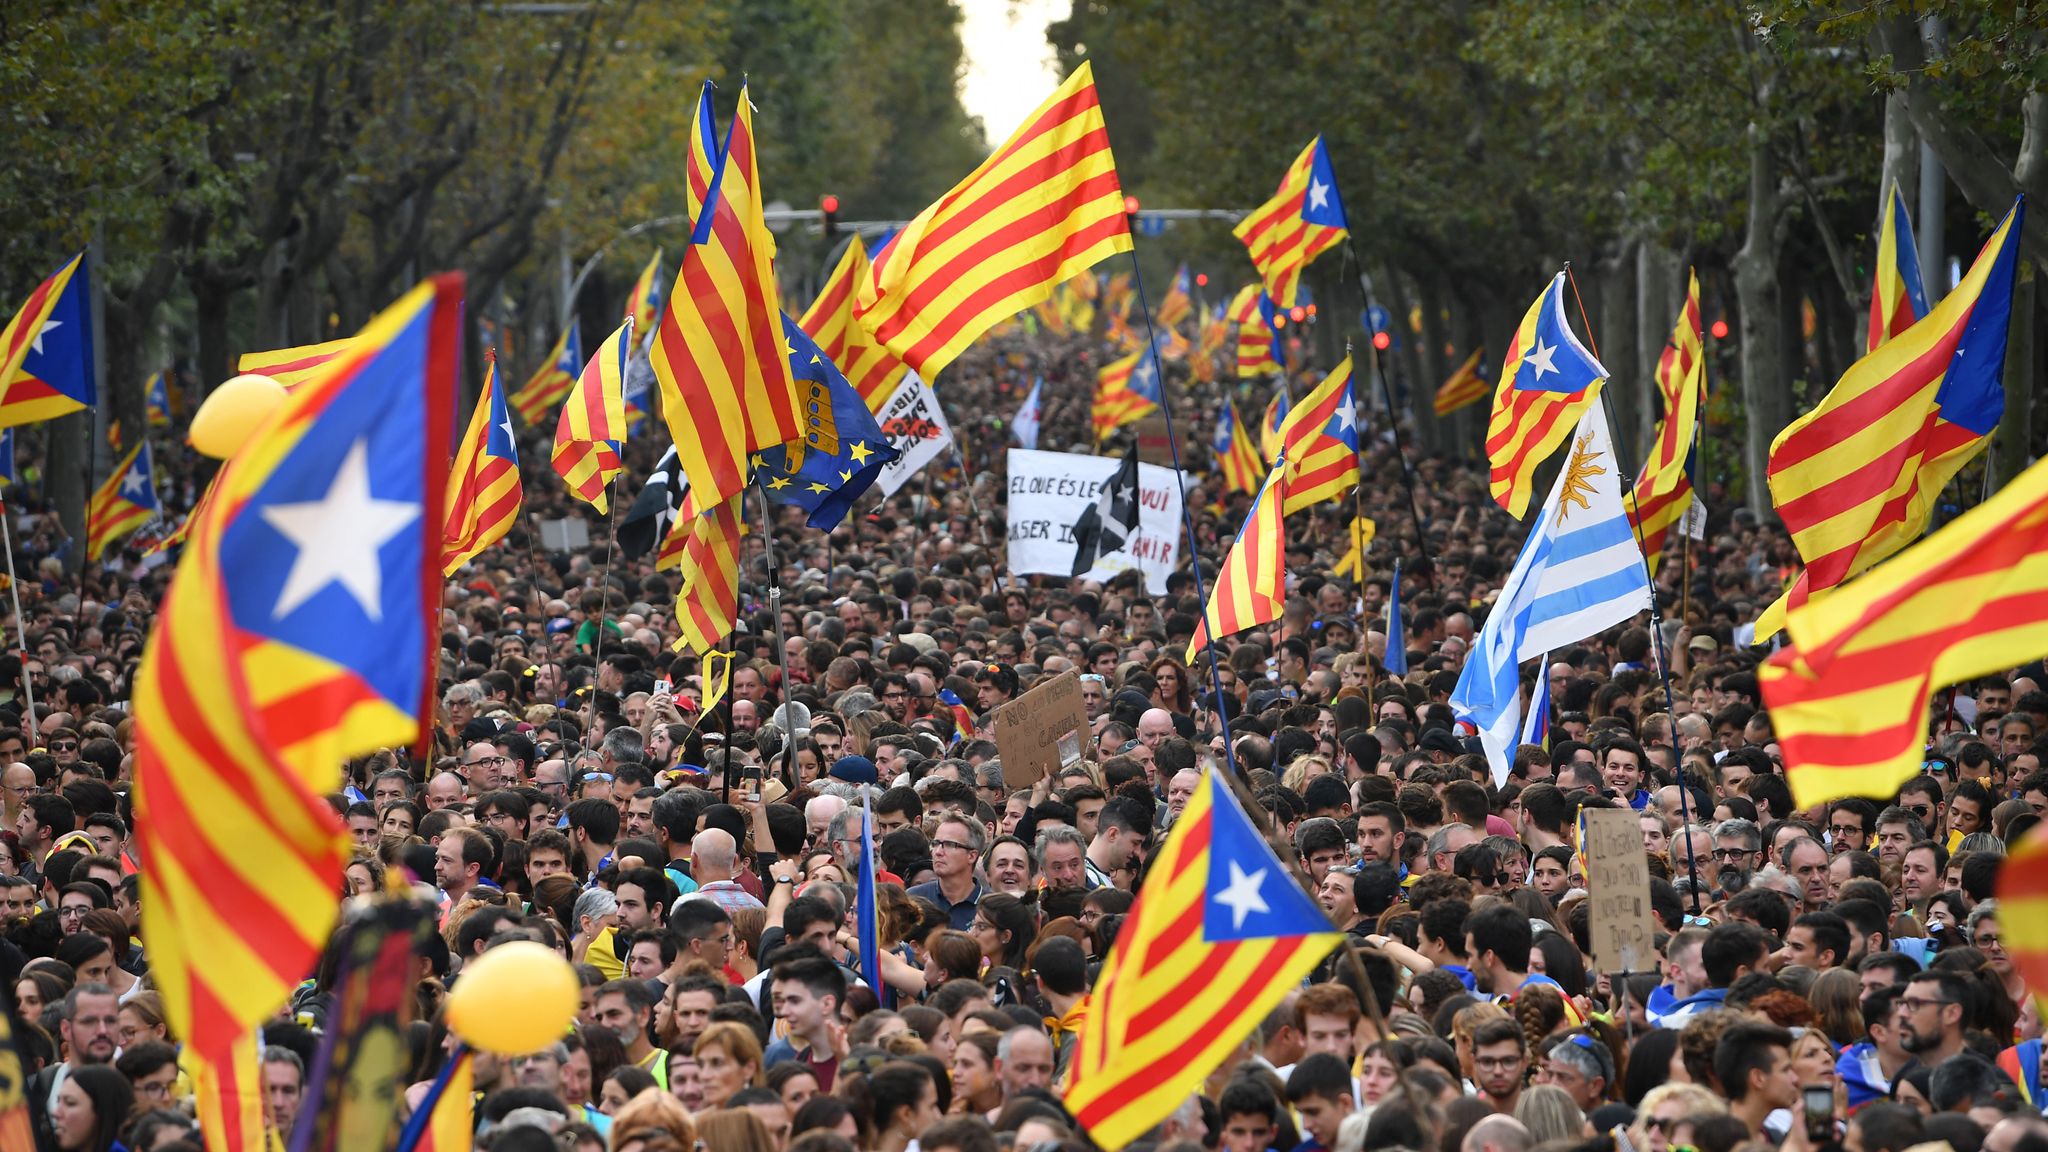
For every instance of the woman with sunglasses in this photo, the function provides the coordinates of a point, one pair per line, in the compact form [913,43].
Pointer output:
[1665,1116]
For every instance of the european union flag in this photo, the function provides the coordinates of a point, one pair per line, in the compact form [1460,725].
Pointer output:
[1249,895]
[843,448]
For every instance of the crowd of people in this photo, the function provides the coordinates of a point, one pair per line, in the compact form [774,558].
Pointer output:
[1826,976]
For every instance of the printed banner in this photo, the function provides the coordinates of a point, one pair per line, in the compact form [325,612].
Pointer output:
[916,427]
[1048,490]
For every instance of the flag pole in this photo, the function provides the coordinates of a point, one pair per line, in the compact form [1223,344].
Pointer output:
[1351,532]
[28,694]
[1628,493]
[1186,514]
[781,644]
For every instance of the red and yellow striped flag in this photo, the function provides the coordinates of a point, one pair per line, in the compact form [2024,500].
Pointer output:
[709,601]
[451,1127]
[1546,384]
[1465,387]
[1898,297]
[1237,458]
[124,503]
[1126,391]
[228,1096]
[24,330]
[484,492]
[1219,935]
[1252,587]
[719,356]
[292,367]
[1664,488]
[1248,310]
[294,636]
[1856,479]
[643,305]
[1303,220]
[1849,697]
[550,384]
[1044,206]
[872,370]
[2023,916]
[592,431]
[1319,441]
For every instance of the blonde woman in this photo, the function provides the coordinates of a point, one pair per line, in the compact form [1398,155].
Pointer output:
[1664,1109]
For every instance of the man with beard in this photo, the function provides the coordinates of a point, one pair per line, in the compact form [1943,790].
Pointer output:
[1933,1014]
[1738,850]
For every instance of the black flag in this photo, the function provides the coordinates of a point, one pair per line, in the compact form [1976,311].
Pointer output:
[648,520]
[1108,524]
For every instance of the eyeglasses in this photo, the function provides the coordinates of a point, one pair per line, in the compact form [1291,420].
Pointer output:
[63,745]
[480,761]
[1496,1063]
[72,913]
[1984,941]
[1915,1003]
[1658,1124]
[1092,678]
[1732,853]
[1698,922]
[587,777]
[951,845]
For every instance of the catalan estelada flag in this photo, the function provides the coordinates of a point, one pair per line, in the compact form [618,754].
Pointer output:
[291,367]
[1664,490]
[1220,934]
[1320,443]
[1466,386]
[1545,385]
[718,356]
[709,600]
[46,350]
[1849,696]
[873,371]
[643,304]
[1303,220]
[483,487]
[1215,329]
[1251,589]
[295,635]
[1856,479]
[1126,390]
[591,434]
[124,503]
[549,386]
[1275,419]
[1253,314]
[1898,297]
[1179,300]
[157,400]
[1237,458]
[1044,206]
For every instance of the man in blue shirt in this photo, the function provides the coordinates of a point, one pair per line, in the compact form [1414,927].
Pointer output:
[956,848]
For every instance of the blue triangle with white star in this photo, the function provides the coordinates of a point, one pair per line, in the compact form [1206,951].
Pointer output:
[1250,895]
[1554,360]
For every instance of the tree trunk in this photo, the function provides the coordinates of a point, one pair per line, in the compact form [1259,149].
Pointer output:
[67,450]
[1659,282]
[1628,385]
[1766,392]
[210,329]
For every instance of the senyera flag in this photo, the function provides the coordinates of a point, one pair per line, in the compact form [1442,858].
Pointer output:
[295,635]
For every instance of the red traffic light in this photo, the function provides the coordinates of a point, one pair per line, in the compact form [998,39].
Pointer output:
[1201,279]
[828,202]
[1382,341]
[1130,205]
[1297,313]
[1720,329]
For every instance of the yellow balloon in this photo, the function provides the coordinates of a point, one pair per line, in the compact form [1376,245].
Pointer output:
[517,998]
[232,413]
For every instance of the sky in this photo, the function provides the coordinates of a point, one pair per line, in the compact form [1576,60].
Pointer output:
[1010,67]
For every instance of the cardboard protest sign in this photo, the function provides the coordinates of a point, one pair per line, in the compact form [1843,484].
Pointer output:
[1048,491]
[1618,885]
[1041,730]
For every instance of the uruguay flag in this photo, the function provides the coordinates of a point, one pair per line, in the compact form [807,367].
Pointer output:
[1580,572]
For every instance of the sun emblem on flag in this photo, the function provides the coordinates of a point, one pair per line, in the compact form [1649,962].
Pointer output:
[1578,476]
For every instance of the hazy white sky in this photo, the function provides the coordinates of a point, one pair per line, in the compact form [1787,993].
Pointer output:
[1010,67]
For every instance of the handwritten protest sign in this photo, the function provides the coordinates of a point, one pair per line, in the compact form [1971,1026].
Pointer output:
[1041,730]
[1618,884]
[1048,491]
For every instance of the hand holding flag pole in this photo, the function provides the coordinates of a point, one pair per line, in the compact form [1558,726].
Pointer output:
[1628,493]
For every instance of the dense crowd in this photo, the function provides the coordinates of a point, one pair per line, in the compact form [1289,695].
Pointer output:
[1828,976]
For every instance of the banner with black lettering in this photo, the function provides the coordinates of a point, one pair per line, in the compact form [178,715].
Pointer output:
[916,427]
[1048,492]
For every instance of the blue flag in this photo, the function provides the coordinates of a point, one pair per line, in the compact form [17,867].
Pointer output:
[1396,660]
[1536,729]
[843,449]
[1029,416]
[1248,894]
[7,474]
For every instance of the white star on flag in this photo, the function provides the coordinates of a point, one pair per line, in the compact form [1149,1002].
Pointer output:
[135,481]
[1242,896]
[1347,416]
[1318,194]
[48,327]
[507,426]
[1542,359]
[339,536]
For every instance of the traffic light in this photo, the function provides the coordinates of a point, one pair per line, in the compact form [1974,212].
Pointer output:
[1201,279]
[1720,329]
[828,204]
[1382,341]
[1131,213]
